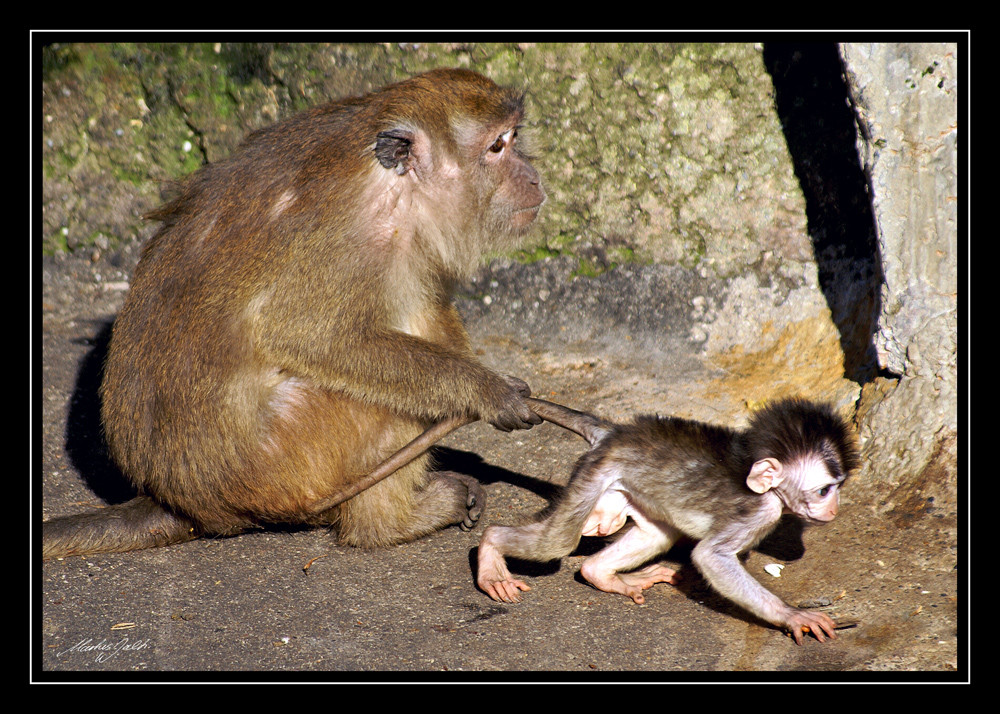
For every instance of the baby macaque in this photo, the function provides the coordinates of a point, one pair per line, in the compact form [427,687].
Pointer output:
[672,477]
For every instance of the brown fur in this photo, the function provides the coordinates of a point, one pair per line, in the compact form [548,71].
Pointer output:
[290,325]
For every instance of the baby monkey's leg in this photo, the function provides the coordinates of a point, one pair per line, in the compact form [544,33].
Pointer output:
[607,569]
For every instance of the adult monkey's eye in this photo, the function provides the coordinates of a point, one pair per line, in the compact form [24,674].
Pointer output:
[502,141]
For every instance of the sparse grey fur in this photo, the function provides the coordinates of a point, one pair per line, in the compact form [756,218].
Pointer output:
[673,477]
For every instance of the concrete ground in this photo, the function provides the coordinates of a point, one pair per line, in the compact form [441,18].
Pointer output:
[412,612]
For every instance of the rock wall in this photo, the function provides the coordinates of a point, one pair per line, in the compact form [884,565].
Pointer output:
[708,208]
[906,97]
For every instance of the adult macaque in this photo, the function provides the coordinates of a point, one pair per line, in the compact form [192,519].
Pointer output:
[290,324]
[674,477]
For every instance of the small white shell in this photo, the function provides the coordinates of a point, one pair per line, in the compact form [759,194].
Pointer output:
[774,569]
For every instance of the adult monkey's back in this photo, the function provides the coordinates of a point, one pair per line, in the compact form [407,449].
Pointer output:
[290,324]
